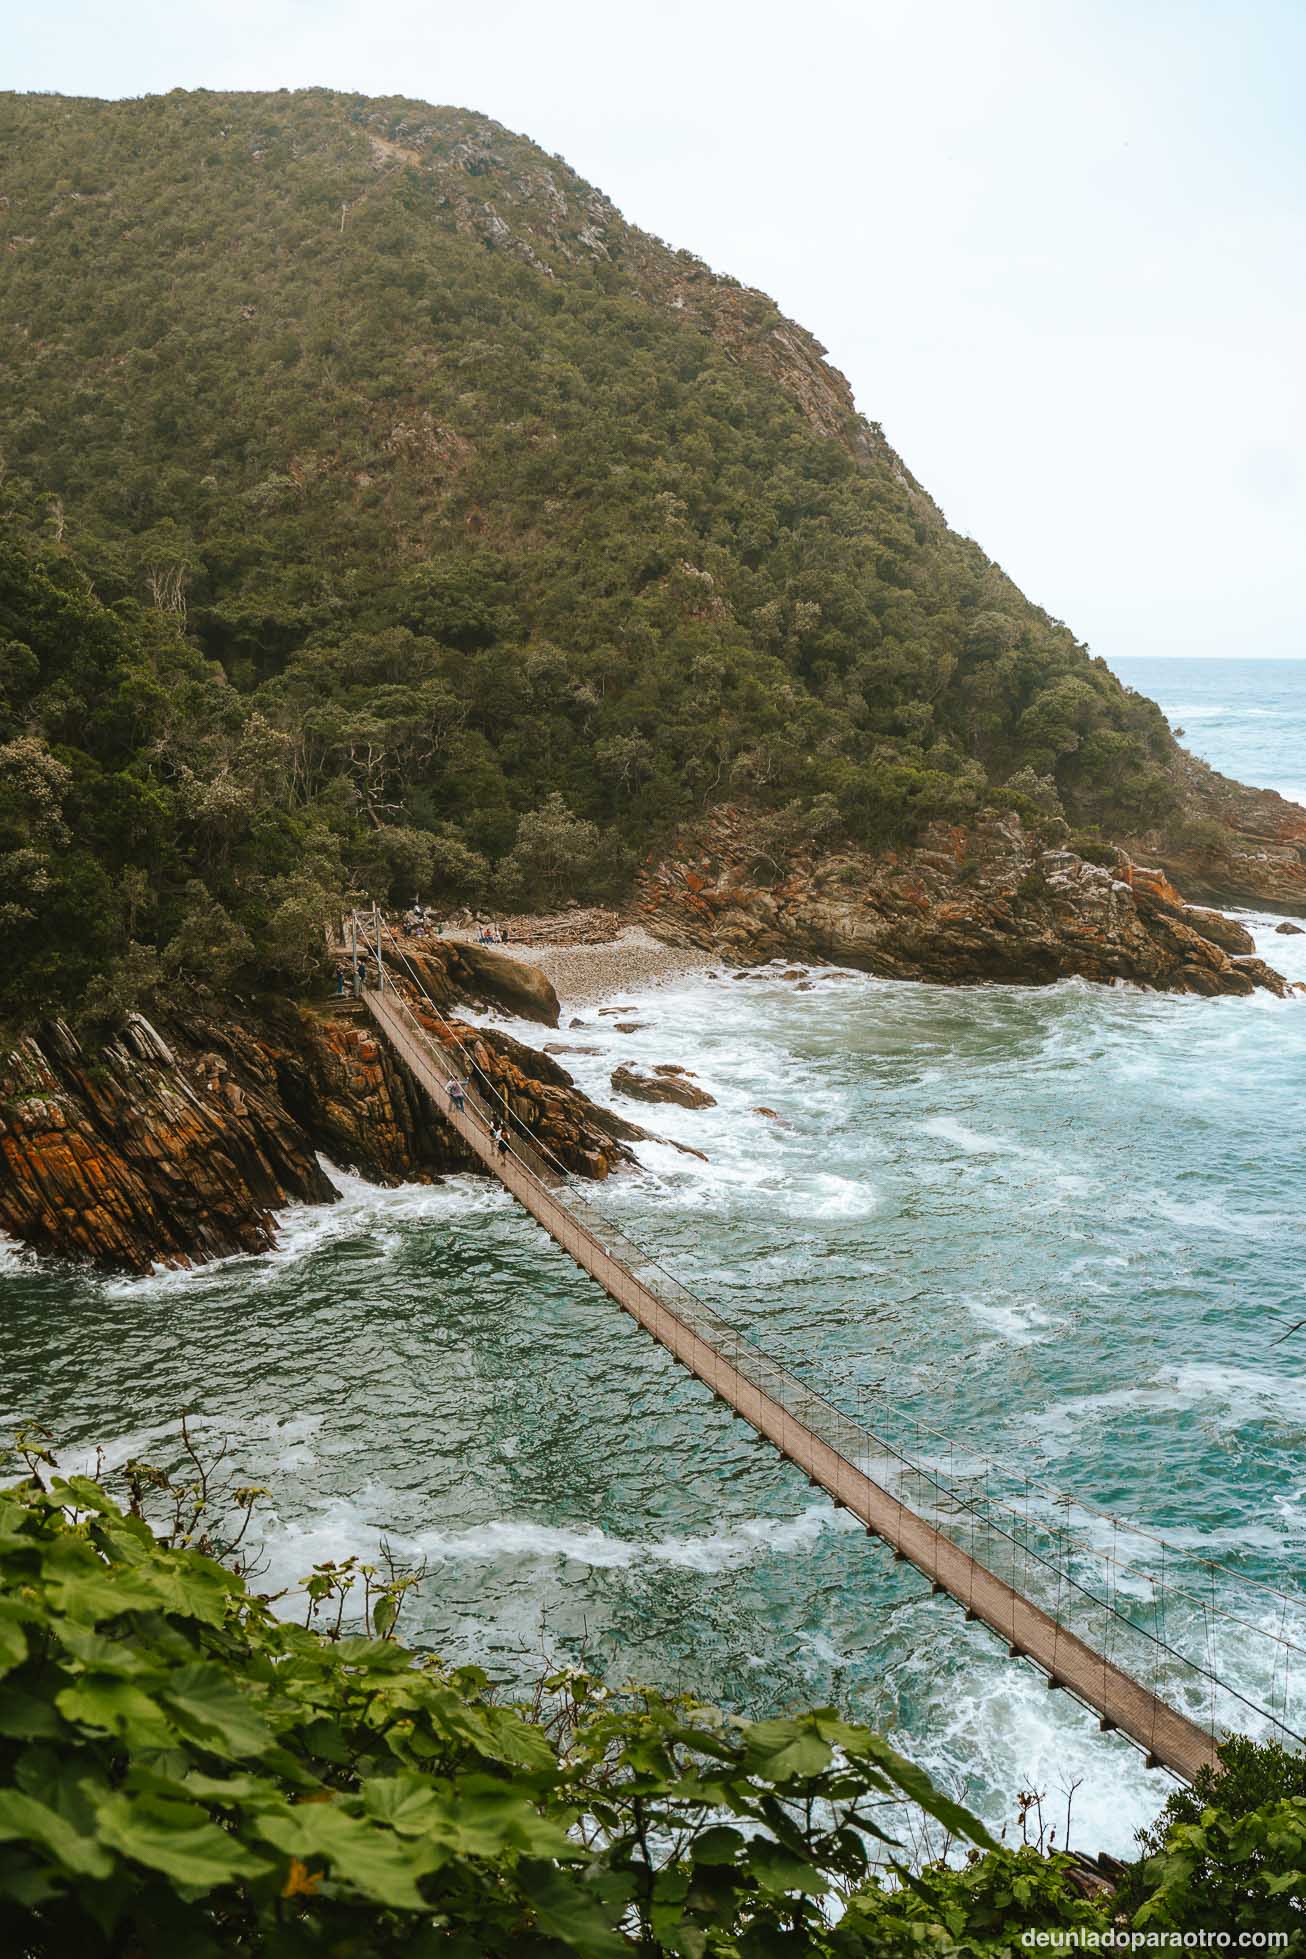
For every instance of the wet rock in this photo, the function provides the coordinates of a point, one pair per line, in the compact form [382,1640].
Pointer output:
[1248,846]
[149,1151]
[1221,931]
[660,1087]
[1288,930]
[448,971]
[1263,975]
[629,1026]
[540,1095]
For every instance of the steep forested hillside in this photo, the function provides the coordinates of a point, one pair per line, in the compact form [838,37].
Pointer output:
[452,517]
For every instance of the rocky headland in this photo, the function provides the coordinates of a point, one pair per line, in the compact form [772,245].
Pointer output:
[1239,846]
[985,902]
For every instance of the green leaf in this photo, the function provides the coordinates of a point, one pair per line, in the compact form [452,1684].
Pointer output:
[98,1700]
[778,1870]
[208,1705]
[23,1819]
[362,1854]
[177,1839]
[192,1587]
[406,1802]
[375,1654]
[13,1642]
[784,1750]
[98,1653]
[384,1614]
[27,1882]
[489,1817]
[565,1911]
[718,1845]
[25,1716]
[97,1593]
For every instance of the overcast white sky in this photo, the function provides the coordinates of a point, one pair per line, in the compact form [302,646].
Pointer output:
[1058,246]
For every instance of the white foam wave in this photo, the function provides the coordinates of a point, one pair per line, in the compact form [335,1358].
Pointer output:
[590,1545]
[343,1527]
[15,1257]
[1228,1396]
[1021,1324]
[1032,1740]
[363,1210]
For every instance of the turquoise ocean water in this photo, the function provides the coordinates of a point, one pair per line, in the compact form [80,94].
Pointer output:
[1065,1224]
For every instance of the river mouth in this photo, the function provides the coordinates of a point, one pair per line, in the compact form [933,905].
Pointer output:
[1061,1222]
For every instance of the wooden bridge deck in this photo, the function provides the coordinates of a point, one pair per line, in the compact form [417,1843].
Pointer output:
[806,1429]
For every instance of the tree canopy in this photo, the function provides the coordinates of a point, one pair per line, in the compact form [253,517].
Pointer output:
[454,520]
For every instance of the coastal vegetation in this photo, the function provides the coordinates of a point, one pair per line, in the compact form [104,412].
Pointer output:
[431,528]
[184,1772]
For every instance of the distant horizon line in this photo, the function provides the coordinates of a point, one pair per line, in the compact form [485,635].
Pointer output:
[1230,659]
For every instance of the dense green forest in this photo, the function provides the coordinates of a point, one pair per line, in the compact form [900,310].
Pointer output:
[182,1773]
[400,513]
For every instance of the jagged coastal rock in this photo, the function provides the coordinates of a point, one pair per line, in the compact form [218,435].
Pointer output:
[177,1143]
[987,901]
[1240,845]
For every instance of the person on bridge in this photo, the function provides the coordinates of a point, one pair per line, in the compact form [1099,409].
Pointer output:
[457,1093]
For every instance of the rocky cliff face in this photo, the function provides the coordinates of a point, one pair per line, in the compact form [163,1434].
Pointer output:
[177,1143]
[159,1148]
[1241,846]
[987,902]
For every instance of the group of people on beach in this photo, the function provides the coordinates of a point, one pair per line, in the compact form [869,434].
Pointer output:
[492,935]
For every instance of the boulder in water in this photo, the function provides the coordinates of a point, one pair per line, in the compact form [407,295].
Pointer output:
[661,1087]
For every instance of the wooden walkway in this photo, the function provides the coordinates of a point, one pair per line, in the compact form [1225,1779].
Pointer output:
[825,1444]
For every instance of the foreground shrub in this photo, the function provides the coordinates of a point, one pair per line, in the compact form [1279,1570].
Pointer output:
[183,1773]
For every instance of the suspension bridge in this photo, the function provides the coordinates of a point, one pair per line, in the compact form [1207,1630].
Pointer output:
[1092,1602]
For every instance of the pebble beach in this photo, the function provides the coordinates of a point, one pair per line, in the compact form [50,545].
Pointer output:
[585,972]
